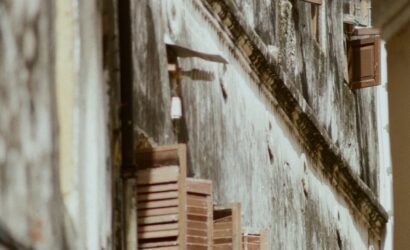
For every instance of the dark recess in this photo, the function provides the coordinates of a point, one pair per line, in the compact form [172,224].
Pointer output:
[126,79]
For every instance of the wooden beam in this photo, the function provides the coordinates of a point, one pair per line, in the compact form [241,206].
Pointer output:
[366,31]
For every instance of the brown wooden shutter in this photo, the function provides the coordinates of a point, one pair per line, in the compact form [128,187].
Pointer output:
[255,241]
[364,62]
[200,214]
[161,195]
[227,227]
[174,212]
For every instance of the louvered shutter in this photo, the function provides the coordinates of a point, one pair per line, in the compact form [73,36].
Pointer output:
[174,212]
[200,214]
[227,227]
[254,241]
[161,195]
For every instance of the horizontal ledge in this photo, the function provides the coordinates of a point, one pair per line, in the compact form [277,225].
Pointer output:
[298,115]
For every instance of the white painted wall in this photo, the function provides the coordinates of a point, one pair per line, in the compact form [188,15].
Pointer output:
[85,169]
[385,174]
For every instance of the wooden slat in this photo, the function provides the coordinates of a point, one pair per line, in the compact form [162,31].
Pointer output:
[197,217]
[252,247]
[199,186]
[197,247]
[194,232]
[222,233]
[197,225]
[197,240]
[162,248]
[157,245]
[157,219]
[366,31]
[223,247]
[197,210]
[254,244]
[168,245]
[158,196]
[158,234]
[157,188]
[158,211]
[196,202]
[226,219]
[159,227]
[223,241]
[158,175]
[157,204]
[223,225]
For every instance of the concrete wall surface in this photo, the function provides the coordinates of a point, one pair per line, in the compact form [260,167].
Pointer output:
[315,66]
[237,138]
[55,126]
[31,207]
[63,85]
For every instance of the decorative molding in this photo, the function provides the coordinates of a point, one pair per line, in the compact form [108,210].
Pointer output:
[299,116]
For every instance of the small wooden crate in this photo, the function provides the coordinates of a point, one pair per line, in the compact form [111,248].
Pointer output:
[227,227]
[174,212]
[252,241]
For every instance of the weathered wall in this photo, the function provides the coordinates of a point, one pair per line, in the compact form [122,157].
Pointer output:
[235,137]
[316,69]
[58,125]
[86,93]
[31,209]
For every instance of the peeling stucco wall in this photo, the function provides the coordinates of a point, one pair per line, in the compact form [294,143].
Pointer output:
[238,139]
[31,209]
[86,122]
[316,68]
[60,145]
[59,125]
